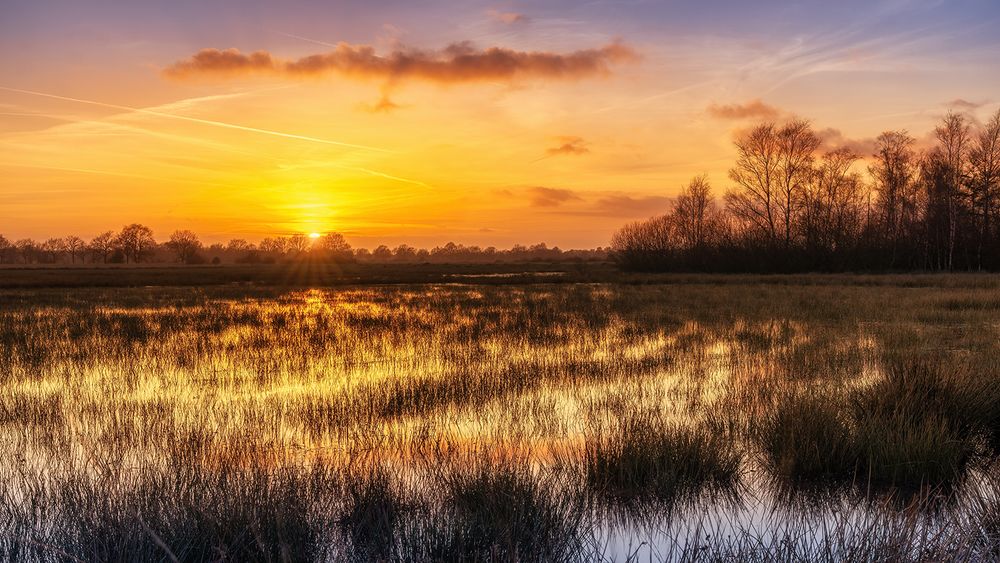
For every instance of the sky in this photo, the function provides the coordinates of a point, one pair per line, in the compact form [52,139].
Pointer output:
[423,122]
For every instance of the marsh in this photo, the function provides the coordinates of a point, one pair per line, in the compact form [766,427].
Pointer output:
[711,417]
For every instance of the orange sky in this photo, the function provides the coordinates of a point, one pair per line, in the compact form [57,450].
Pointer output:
[555,122]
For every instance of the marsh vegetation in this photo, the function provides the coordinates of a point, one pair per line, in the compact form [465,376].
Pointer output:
[719,418]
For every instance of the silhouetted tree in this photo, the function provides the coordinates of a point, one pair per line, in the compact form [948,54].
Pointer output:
[950,162]
[297,244]
[695,215]
[27,249]
[831,221]
[53,249]
[104,246]
[6,250]
[984,188]
[897,206]
[74,247]
[647,245]
[273,247]
[404,253]
[382,253]
[185,245]
[135,242]
[789,210]
[754,201]
[797,145]
[334,246]
[238,245]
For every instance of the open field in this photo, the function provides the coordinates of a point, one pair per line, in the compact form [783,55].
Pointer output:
[668,418]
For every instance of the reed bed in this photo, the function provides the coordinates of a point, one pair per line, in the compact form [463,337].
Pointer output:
[740,419]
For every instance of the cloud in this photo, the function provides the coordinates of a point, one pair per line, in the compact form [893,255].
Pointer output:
[832,139]
[965,105]
[754,109]
[383,105]
[621,205]
[551,197]
[457,63]
[509,18]
[568,145]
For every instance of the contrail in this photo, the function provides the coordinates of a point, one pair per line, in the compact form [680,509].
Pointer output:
[383,175]
[299,37]
[201,121]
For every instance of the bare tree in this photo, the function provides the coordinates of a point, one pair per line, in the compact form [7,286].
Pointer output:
[6,249]
[74,247]
[647,245]
[893,172]
[984,182]
[757,174]
[297,244]
[953,137]
[104,245]
[797,145]
[27,249]
[832,210]
[405,253]
[53,249]
[334,245]
[694,212]
[239,245]
[136,241]
[185,245]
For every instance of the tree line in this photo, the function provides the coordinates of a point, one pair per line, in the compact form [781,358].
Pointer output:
[794,207]
[135,244]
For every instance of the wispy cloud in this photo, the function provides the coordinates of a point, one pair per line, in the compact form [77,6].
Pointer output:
[209,122]
[508,18]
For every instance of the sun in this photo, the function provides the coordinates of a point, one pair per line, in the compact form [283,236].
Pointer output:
[314,235]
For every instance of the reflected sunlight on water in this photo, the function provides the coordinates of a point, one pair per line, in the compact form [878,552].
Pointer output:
[557,380]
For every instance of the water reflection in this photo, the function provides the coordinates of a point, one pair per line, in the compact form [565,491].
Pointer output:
[619,425]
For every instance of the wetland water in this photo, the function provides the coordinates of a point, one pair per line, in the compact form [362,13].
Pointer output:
[529,422]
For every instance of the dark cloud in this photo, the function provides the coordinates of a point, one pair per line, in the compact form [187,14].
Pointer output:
[832,139]
[568,145]
[754,109]
[551,197]
[457,63]
[509,18]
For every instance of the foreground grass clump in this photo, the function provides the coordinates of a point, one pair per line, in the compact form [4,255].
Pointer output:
[371,515]
[808,440]
[473,512]
[913,428]
[648,459]
[228,516]
[918,426]
[506,513]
